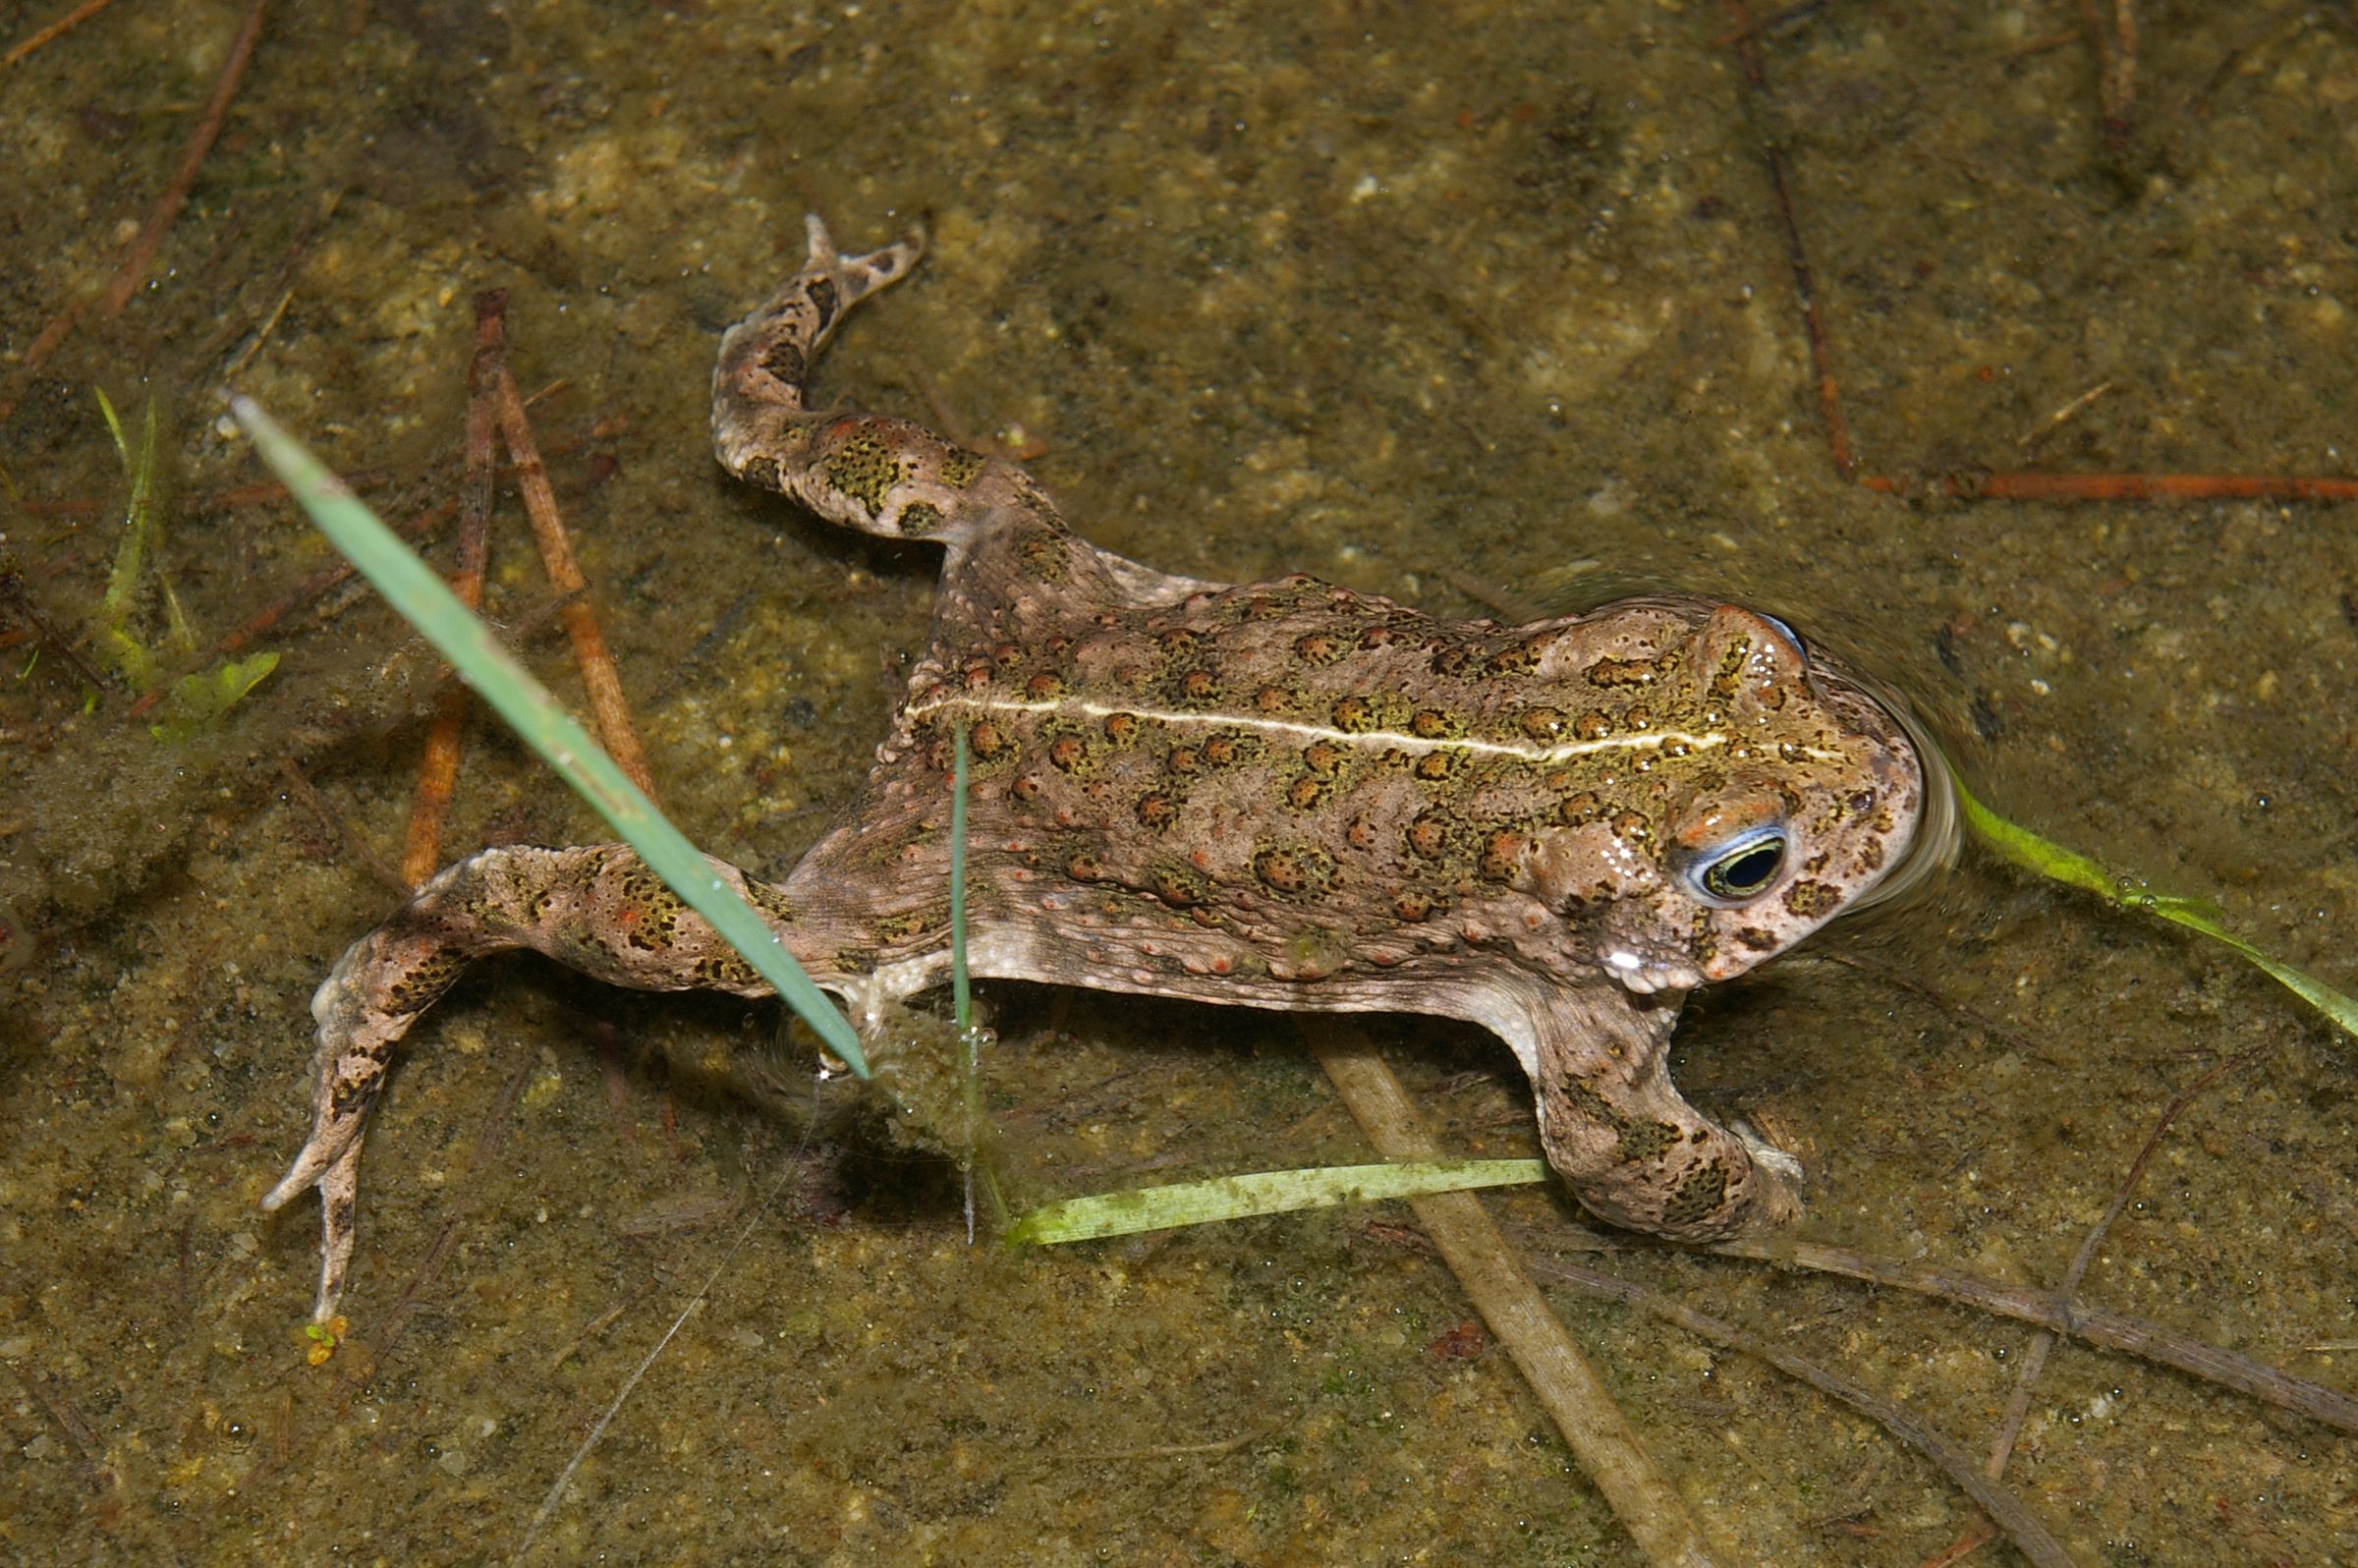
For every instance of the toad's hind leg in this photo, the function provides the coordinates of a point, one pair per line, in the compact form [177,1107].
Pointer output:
[864,471]
[597,908]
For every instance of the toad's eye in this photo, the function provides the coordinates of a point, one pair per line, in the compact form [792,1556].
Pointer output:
[1742,868]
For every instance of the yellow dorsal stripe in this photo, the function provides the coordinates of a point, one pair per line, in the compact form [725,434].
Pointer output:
[1296,731]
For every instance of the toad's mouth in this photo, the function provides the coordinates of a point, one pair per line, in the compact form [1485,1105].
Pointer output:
[1643,974]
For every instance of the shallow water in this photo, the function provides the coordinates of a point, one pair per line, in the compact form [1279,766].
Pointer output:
[1413,307]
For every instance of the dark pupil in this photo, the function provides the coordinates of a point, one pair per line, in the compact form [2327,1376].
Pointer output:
[1740,875]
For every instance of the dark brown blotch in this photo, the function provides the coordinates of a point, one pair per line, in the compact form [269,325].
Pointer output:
[785,360]
[1809,899]
[1317,648]
[824,301]
[960,468]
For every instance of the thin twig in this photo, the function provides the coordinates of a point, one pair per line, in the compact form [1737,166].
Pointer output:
[1789,16]
[607,705]
[438,765]
[57,29]
[2115,50]
[1606,1448]
[1797,258]
[489,1134]
[1916,988]
[2063,416]
[1974,1539]
[1517,609]
[139,254]
[261,335]
[2045,42]
[600,1323]
[2021,1526]
[2034,1362]
[1208,1450]
[200,502]
[2030,486]
[14,595]
[359,848]
[2135,1336]
[549,1501]
[41,1385]
[2120,75]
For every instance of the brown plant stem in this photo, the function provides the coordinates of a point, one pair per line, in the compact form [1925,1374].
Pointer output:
[607,706]
[45,36]
[438,765]
[1609,1450]
[140,254]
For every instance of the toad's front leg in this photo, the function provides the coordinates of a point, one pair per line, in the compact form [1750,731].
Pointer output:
[1630,1147]
[595,908]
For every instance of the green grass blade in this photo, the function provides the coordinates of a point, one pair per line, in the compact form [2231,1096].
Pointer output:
[962,997]
[1268,1191]
[413,590]
[2023,847]
[2045,858]
[962,991]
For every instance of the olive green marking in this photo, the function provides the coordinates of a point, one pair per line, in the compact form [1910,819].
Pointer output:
[865,468]
[1042,556]
[1223,748]
[961,467]
[1702,1194]
[723,971]
[651,910]
[771,903]
[1072,747]
[1638,1141]
[1728,678]
[894,930]
[1179,885]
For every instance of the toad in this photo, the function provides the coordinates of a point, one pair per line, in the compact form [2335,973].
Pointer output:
[1286,795]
